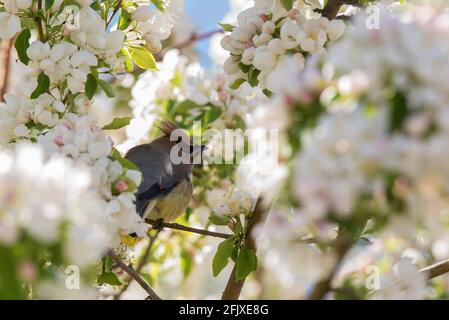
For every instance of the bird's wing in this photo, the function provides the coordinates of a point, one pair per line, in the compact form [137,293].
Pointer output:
[157,171]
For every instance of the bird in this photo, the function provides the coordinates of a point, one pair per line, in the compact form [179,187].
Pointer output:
[166,188]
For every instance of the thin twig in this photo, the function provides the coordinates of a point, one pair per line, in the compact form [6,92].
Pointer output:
[38,23]
[197,37]
[332,7]
[180,227]
[151,294]
[437,269]
[139,267]
[234,288]
[342,246]
[116,8]
[6,55]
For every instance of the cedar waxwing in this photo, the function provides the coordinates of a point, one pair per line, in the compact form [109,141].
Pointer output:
[166,188]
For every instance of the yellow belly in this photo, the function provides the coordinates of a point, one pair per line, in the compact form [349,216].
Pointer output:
[171,206]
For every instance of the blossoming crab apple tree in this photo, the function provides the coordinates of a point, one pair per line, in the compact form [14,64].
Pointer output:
[71,49]
[366,167]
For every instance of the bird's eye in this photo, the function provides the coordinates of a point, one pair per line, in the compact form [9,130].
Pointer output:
[179,140]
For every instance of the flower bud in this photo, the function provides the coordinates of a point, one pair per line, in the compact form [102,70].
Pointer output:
[121,186]
[335,29]
[23,4]
[264,61]
[153,42]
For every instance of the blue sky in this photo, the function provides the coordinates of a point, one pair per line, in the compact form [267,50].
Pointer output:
[205,15]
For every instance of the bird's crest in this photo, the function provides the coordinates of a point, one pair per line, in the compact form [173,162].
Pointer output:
[167,127]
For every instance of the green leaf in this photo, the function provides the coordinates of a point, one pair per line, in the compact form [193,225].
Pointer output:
[184,107]
[109,278]
[246,263]
[96,5]
[222,256]
[48,4]
[129,65]
[244,67]
[186,263]
[107,264]
[106,88]
[212,114]
[147,277]
[398,111]
[236,84]
[159,4]
[219,219]
[252,77]
[115,155]
[124,20]
[43,84]
[22,44]
[287,4]
[143,58]
[117,123]
[267,92]
[90,86]
[226,27]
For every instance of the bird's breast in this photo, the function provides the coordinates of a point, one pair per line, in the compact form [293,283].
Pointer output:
[173,204]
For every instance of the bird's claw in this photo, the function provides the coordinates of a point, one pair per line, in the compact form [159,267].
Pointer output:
[159,225]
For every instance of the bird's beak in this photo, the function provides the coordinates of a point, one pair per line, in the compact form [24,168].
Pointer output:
[198,149]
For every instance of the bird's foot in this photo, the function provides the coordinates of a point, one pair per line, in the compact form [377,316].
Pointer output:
[159,225]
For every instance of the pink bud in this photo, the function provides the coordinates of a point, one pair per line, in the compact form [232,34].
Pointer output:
[27,271]
[95,129]
[249,44]
[293,14]
[289,101]
[121,186]
[305,97]
[223,95]
[67,125]
[264,17]
[59,141]
[221,80]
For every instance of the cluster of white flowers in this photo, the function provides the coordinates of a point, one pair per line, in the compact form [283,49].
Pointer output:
[67,54]
[78,137]
[62,62]
[41,193]
[367,56]
[9,21]
[264,38]
[154,26]
[298,263]
[352,154]
[233,202]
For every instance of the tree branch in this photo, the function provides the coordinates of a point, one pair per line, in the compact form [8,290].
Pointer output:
[234,288]
[38,23]
[180,227]
[116,8]
[197,37]
[332,7]
[437,269]
[139,267]
[151,294]
[342,246]
[6,55]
